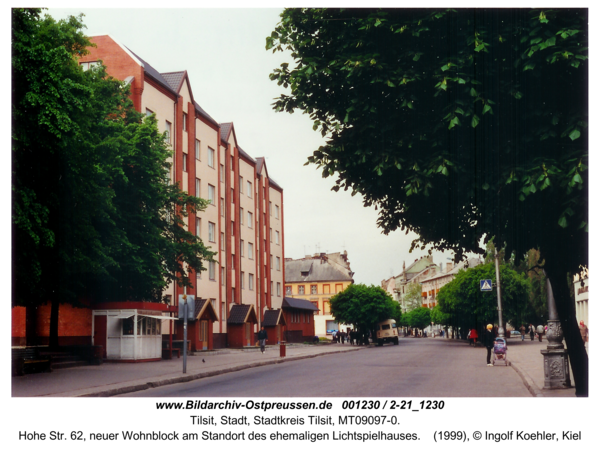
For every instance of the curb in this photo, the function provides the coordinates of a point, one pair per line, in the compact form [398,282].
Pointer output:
[135,387]
[528,381]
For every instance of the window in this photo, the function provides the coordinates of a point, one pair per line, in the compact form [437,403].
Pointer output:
[222,174]
[222,275]
[241,248]
[211,270]
[223,315]
[232,195]
[241,216]
[326,307]
[270,208]
[232,261]
[242,280]
[168,132]
[251,281]
[211,194]
[184,122]
[250,251]
[271,261]
[271,235]
[300,289]
[277,263]
[338,287]
[185,162]
[197,149]
[279,289]
[276,236]
[222,241]
[222,207]
[149,112]
[197,187]
[249,189]
[326,289]
[288,290]
[249,219]
[277,211]
[211,157]
[232,228]
[211,232]
[197,226]
[316,304]
[89,65]
[313,289]
[271,288]
[241,185]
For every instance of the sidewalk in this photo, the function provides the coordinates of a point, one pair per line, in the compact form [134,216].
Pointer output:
[526,359]
[111,379]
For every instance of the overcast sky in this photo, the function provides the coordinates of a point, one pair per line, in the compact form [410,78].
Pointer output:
[235,87]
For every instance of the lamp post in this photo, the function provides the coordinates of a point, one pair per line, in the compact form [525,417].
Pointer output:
[556,359]
[500,323]
[185,324]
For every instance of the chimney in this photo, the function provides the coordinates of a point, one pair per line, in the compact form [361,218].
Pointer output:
[449,267]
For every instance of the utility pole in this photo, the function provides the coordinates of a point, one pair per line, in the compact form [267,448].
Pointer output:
[185,324]
[500,323]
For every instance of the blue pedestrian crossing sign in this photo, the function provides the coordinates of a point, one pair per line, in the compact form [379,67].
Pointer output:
[485,285]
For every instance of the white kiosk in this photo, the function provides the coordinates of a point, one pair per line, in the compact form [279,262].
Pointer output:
[130,331]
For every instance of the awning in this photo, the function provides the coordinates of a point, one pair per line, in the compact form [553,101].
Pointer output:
[172,318]
[124,315]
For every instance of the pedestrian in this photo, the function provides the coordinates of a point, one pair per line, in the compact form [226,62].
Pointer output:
[531,331]
[522,330]
[585,333]
[488,342]
[474,336]
[262,338]
[333,335]
[343,336]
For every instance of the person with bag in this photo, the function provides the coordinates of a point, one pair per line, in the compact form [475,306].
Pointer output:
[262,338]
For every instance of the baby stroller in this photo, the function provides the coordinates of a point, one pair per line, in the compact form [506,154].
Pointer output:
[500,351]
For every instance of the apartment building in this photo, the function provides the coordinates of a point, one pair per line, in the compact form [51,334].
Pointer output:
[243,222]
[316,278]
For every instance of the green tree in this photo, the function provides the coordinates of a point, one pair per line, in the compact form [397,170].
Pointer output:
[458,125]
[467,306]
[412,297]
[419,318]
[363,306]
[92,215]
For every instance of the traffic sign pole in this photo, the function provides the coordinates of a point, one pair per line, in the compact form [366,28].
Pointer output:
[500,323]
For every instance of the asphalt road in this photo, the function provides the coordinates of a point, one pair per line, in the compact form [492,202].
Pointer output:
[414,368]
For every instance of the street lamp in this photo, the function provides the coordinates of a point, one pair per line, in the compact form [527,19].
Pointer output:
[500,323]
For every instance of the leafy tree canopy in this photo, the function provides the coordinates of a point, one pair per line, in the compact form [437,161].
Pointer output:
[363,306]
[457,125]
[468,306]
[419,318]
[92,215]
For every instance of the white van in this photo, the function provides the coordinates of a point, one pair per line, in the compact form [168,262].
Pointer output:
[387,331]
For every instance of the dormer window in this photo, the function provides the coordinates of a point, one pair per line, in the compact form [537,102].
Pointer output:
[304,273]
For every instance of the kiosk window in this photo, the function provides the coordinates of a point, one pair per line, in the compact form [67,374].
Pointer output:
[128,326]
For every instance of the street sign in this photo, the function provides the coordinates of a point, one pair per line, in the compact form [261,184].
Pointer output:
[485,285]
[191,305]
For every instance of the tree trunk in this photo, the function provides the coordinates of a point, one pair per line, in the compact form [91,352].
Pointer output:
[53,338]
[565,307]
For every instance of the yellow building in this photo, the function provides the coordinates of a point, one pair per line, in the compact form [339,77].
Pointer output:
[317,278]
